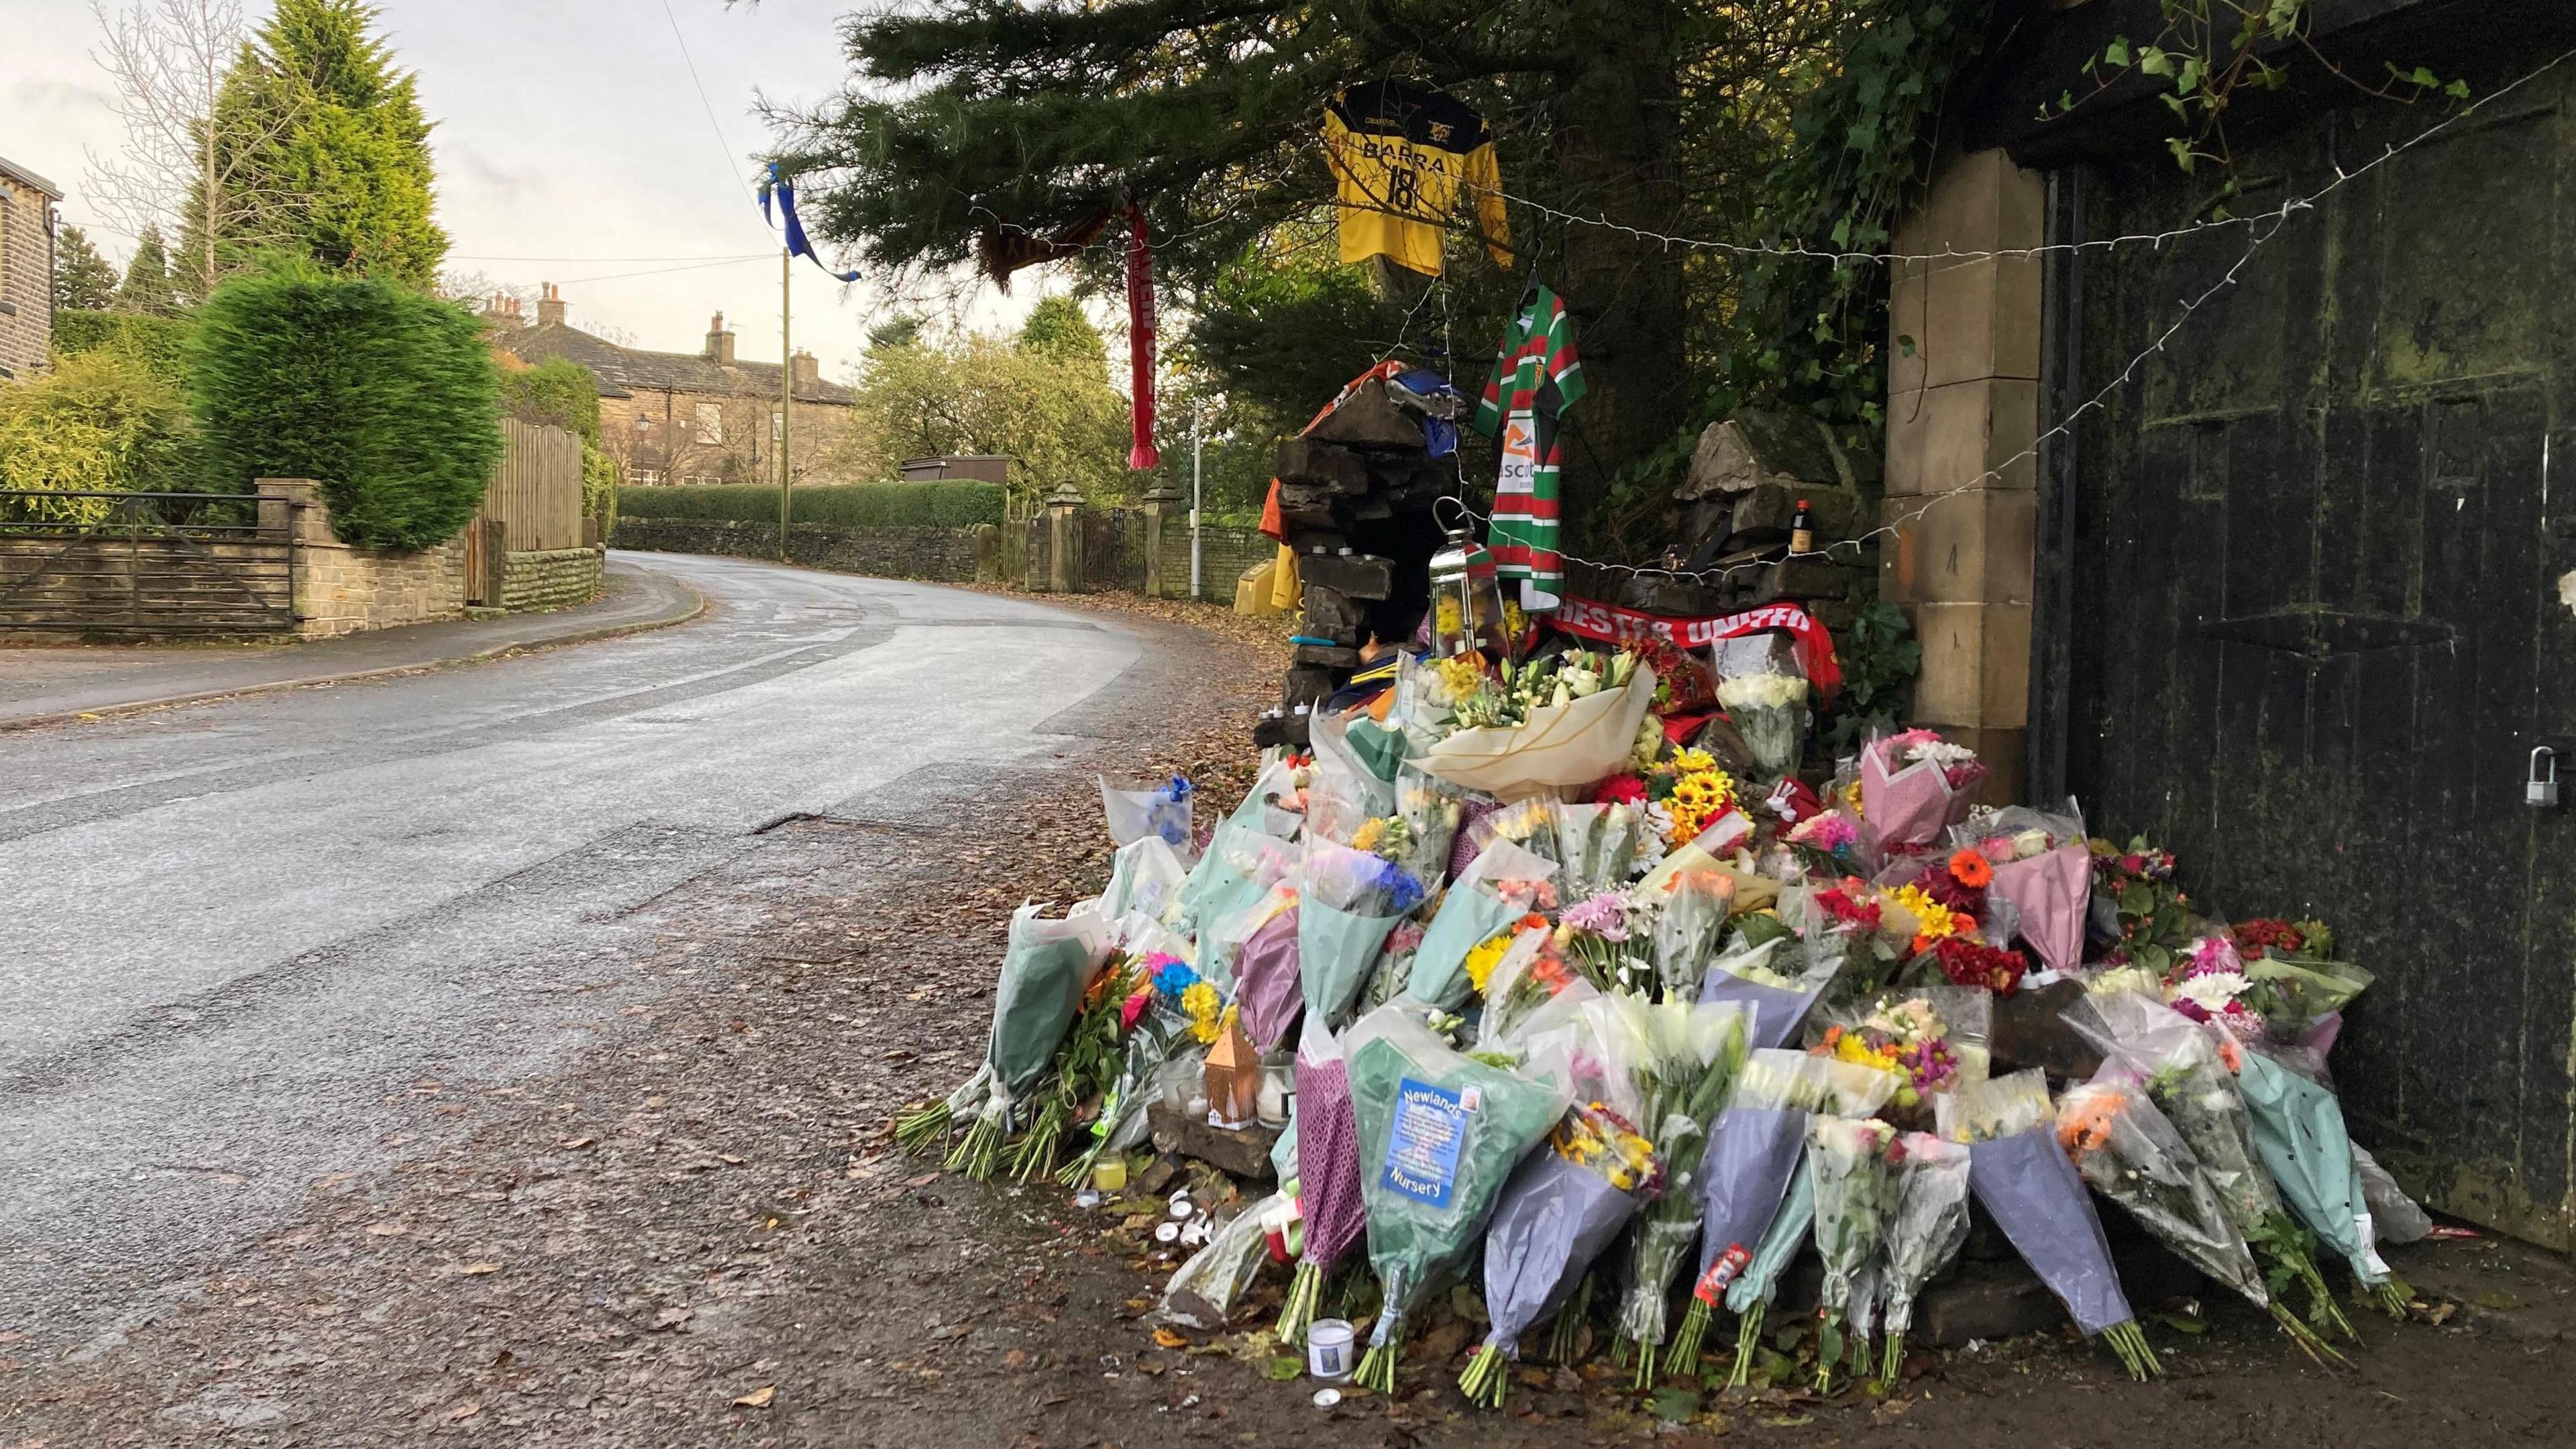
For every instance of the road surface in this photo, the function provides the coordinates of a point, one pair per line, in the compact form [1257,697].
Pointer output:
[239,935]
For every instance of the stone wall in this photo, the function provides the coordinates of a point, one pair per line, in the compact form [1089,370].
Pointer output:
[937,555]
[344,590]
[1224,554]
[26,278]
[1963,414]
[550,578]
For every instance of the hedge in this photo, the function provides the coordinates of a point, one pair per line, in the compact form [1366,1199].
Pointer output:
[558,392]
[159,343]
[954,503]
[383,395]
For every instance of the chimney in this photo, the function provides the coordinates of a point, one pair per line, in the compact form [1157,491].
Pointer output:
[807,370]
[502,313]
[719,342]
[550,308]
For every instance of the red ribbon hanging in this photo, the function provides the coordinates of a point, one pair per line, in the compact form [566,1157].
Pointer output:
[1140,340]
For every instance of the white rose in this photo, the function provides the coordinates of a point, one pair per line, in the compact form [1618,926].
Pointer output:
[2211,991]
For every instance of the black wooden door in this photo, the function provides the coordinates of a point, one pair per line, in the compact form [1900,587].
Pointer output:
[2317,614]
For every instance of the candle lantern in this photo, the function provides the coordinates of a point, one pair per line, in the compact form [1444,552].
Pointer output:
[1233,1078]
[1466,601]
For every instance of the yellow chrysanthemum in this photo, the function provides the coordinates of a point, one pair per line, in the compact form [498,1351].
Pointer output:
[1481,962]
[1368,835]
[1931,918]
[1451,617]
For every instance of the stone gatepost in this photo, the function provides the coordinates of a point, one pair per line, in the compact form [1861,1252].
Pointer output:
[1064,538]
[1962,421]
[1158,508]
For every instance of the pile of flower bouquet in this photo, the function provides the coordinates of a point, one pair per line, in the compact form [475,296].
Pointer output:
[1578,1025]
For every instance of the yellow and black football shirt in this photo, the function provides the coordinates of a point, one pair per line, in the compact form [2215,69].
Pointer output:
[1401,153]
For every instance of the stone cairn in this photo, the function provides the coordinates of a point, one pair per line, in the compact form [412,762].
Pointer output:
[1355,497]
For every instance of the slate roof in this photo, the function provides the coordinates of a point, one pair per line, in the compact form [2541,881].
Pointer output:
[623,370]
[25,177]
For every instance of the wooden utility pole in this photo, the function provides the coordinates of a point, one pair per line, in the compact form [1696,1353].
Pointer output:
[786,395]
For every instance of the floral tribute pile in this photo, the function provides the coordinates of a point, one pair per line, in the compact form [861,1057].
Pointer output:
[1582,999]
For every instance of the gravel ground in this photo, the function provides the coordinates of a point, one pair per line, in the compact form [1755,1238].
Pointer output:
[701,1233]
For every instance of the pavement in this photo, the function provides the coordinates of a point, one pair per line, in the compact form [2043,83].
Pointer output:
[48,683]
[246,936]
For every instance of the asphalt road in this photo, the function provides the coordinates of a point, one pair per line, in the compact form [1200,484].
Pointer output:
[235,937]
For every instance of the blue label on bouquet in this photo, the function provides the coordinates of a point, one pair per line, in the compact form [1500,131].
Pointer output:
[1422,1150]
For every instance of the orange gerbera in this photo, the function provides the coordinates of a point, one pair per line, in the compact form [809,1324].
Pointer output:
[1970,868]
[2085,1126]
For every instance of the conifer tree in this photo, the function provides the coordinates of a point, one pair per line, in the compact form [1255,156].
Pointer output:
[147,287]
[84,281]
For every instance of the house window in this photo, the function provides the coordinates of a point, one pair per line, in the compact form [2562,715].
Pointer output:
[648,477]
[711,422]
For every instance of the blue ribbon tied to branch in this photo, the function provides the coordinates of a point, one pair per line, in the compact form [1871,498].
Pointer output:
[797,245]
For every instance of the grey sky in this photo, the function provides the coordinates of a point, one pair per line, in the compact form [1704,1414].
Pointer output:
[567,131]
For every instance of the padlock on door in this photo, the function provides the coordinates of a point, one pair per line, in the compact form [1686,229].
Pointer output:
[2540,787]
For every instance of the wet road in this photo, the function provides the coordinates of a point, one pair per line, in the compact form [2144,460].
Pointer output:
[234,936]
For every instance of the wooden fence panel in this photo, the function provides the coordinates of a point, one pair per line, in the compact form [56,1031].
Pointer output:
[536,492]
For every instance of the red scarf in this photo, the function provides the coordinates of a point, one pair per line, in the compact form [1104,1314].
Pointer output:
[1592,619]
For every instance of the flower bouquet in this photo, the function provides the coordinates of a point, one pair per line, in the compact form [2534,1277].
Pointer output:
[2299,1135]
[1276,803]
[1558,1212]
[1775,999]
[1548,723]
[1347,902]
[2035,1195]
[1913,785]
[1429,809]
[1750,1295]
[1598,845]
[1440,1133]
[1145,879]
[2038,862]
[1931,1039]
[2131,1154]
[1266,984]
[1154,1022]
[1141,809]
[1593,933]
[1240,866]
[1754,1147]
[1394,969]
[1687,794]
[1687,927]
[2188,1079]
[1328,1176]
[1926,1230]
[1504,883]
[1768,704]
[1855,1199]
[2138,912]
[1082,1071]
[1529,976]
[1046,969]
[1684,1084]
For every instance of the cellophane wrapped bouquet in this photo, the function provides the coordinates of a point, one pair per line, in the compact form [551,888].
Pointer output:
[1765,693]
[1927,1229]
[2035,1195]
[1329,1191]
[2187,1078]
[1503,884]
[1560,1210]
[1688,924]
[2129,1153]
[1855,1188]
[1347,902]
[1914,785]
[1754,1149]
[1683,1078]
[1440,1134]
[2039,862]
[1046,969]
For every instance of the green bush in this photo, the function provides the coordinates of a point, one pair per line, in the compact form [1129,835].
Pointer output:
[384,396]
[159,343]
[101,422]
[955,503]
[558,392]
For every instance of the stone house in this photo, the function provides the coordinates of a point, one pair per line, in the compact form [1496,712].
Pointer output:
[26,269]
[681,417]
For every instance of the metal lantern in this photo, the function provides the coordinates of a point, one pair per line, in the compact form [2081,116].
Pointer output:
[1233,1079]
[1466,601]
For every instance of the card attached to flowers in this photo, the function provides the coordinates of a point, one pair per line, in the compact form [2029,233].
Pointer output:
[1422,1149]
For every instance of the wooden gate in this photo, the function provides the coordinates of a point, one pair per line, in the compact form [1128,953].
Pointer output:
[143,563]
[535,495]
[2322,608]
